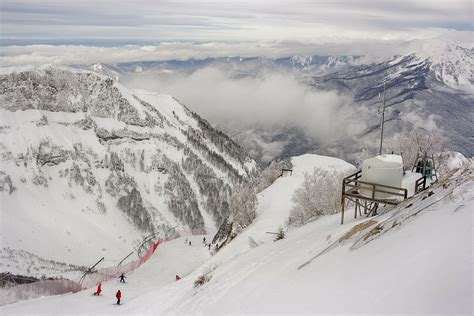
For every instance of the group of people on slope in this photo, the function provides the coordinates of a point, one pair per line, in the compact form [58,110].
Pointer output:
[208,245]
[118,295]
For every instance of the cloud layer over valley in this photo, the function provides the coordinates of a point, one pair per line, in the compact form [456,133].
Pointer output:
[268,100]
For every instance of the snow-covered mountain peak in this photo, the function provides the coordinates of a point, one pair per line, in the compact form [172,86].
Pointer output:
[301,61]
[106,70]
[80,151]
[452,62]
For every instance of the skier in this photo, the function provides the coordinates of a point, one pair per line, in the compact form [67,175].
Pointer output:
[190,242]
[209,246]
[178,277]
[118,296]
[98,289]
[122,278]
[203,240]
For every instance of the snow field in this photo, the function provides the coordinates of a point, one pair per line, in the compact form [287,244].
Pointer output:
[423,265]
[170,259]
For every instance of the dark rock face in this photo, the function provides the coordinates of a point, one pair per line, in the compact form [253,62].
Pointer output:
[224,234]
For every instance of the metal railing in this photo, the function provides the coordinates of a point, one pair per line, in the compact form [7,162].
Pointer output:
[351,190]
[353,182]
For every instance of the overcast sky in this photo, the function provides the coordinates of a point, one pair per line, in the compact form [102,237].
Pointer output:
[109,22]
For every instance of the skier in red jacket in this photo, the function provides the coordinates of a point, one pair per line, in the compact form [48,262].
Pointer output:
[118,296]
[98,289]
[178,277]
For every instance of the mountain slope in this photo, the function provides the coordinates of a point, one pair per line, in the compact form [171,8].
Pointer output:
[416,96]
[418,260]
[89,168]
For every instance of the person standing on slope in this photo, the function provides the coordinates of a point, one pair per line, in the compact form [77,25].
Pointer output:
[122,278]
[118,296]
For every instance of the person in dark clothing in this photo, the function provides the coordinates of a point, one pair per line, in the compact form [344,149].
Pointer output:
[209,246]
[122,278]
[203,240]
[118,296]
[190,242]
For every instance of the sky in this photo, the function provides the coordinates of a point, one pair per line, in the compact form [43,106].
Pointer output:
[83,32]
[119,22]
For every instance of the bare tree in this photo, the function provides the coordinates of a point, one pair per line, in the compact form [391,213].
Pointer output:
[418,141]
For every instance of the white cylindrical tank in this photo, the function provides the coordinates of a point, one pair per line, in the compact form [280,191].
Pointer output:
[383,169]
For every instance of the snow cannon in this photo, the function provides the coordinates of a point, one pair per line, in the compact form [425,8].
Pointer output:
[383,170]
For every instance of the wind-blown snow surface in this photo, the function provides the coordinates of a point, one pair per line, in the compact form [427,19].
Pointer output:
[419,262]
[89,168]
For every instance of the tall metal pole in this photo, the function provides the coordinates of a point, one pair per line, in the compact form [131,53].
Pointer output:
[382,121]
[118,265]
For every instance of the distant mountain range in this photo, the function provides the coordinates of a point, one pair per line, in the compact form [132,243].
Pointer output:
[432,84]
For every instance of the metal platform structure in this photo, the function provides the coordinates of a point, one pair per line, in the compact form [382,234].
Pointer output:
[351,191]
[285,172]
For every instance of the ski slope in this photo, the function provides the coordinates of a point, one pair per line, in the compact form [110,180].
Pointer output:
[420,262]
[171,258]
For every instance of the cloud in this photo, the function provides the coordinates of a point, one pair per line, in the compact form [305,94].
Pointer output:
[81,54]
[270,100]
[231,20]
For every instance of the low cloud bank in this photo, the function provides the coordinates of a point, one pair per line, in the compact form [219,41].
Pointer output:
[276,99]
[372,50]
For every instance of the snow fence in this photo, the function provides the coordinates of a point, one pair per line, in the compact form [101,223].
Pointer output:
[9,295]
[106,274]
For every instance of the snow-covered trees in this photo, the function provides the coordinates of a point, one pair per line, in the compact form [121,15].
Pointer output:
[197,142]
[418,141]
[132,205]
[92,144]
[216,191]
[319,194]
[243,205]
[182,201]
[271,173]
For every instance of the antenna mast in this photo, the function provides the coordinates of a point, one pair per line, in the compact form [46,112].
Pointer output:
[382,121]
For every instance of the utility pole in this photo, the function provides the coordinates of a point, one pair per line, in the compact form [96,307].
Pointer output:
[382,121]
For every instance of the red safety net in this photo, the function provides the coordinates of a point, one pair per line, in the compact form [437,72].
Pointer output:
[22,292]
